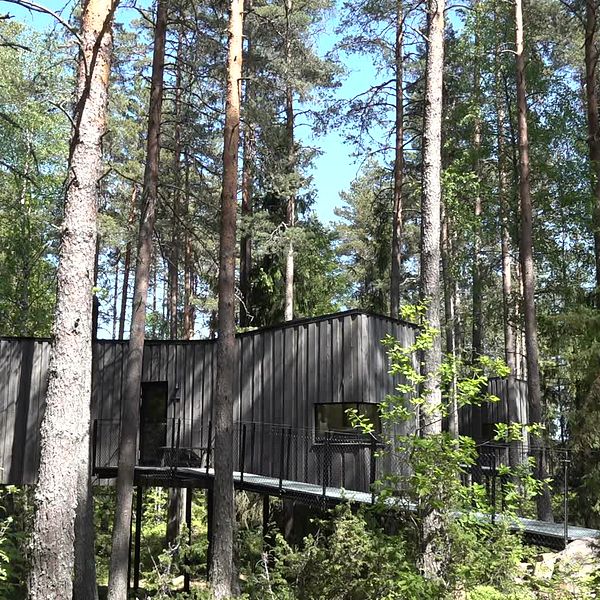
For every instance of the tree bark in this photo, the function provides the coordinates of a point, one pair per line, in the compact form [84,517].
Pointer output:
[396,268]
[130,416]
[127,266]
[514,415]
[593,121]
[116,293]
[221,572]
[64,461]
[291,201]
[246,239]
[544,508]
[173,256]
[477,348]
[430,261]
[188,279]
[176,495]
[247,191]
[476,274]
[84,582]
[449,308]
[431,210]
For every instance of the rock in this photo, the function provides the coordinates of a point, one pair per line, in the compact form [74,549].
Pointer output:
[579,559]
[544,568]
[576,565]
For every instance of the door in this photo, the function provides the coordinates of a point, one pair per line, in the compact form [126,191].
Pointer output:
[153,422]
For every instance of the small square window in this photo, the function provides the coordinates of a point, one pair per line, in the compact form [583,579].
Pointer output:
[333,416]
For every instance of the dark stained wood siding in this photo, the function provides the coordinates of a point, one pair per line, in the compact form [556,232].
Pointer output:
[280,373]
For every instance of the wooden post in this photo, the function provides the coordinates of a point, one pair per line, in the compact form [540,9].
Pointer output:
[189,496]
[209,530]
[268,540]
[139,498]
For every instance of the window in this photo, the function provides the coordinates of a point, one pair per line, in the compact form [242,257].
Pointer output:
[332,416]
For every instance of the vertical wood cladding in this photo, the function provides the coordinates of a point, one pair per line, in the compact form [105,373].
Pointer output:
[280,373]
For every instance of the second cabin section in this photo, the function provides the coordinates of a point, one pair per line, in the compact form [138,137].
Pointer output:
[293,385]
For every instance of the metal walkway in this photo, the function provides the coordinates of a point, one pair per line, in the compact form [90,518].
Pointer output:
[326,468]
[551,533]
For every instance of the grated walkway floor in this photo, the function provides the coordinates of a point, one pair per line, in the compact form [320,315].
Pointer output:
[332,495]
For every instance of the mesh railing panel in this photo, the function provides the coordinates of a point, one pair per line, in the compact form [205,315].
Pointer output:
[334,465]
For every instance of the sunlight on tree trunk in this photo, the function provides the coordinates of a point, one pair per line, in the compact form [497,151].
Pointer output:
[63,475]
[130,417]
[431,420]
[221,572]
[544,508]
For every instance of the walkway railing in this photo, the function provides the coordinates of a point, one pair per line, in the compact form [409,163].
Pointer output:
[328,464]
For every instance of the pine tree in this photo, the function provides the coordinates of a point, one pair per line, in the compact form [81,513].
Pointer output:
[64,477]
[130,416]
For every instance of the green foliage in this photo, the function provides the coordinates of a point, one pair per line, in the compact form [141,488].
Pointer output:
[350,558]
[34,138]
[319,283]
[160,564]
[431,480]
[462,383]
[16,510]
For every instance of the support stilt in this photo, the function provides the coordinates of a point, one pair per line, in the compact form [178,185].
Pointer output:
[268,541]
[209,523]
[139,498]
[189,496]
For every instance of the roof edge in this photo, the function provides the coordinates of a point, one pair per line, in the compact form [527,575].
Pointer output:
[284,325]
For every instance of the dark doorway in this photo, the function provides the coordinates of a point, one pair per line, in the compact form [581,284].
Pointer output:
[153,422]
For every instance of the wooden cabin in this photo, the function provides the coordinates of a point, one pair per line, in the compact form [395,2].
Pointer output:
[300,376]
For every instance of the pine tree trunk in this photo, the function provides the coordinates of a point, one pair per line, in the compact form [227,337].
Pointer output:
[291,202]
[116,293]
[448,279]
[188,279]
[247,191]
[130,416]
[544,508]
[246,239]
[505,244]
[593,121]
[84,582]
[431,208]
[476,275]
[127,266]
[477,349]
[173,256]
[221,572]
[398,167]
[64,461]
[431,422]
[175,494]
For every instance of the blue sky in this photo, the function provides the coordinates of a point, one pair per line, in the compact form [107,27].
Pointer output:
[333,170]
